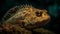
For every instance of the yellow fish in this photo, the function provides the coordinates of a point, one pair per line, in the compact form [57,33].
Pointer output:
[26,16]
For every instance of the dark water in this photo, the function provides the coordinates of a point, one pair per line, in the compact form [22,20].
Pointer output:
[52,6]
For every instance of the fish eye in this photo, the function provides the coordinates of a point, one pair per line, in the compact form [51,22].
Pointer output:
[38,14]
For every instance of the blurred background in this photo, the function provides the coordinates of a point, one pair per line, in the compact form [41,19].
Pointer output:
[52,6]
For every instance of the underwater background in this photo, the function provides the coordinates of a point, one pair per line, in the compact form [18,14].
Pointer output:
[52,6]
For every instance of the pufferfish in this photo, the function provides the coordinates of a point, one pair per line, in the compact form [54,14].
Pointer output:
[26,16]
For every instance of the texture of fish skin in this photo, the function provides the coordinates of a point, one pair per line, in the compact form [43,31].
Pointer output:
[27,14]
[24,18]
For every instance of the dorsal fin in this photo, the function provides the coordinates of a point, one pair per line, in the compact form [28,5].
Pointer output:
[10,13]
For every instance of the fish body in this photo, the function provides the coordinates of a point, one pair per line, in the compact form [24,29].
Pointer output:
[27,16]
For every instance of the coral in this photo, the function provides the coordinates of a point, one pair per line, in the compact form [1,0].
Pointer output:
[13,29]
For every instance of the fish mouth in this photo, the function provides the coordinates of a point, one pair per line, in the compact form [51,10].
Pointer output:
[37,24]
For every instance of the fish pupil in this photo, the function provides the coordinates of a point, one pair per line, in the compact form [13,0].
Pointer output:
[38,14]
